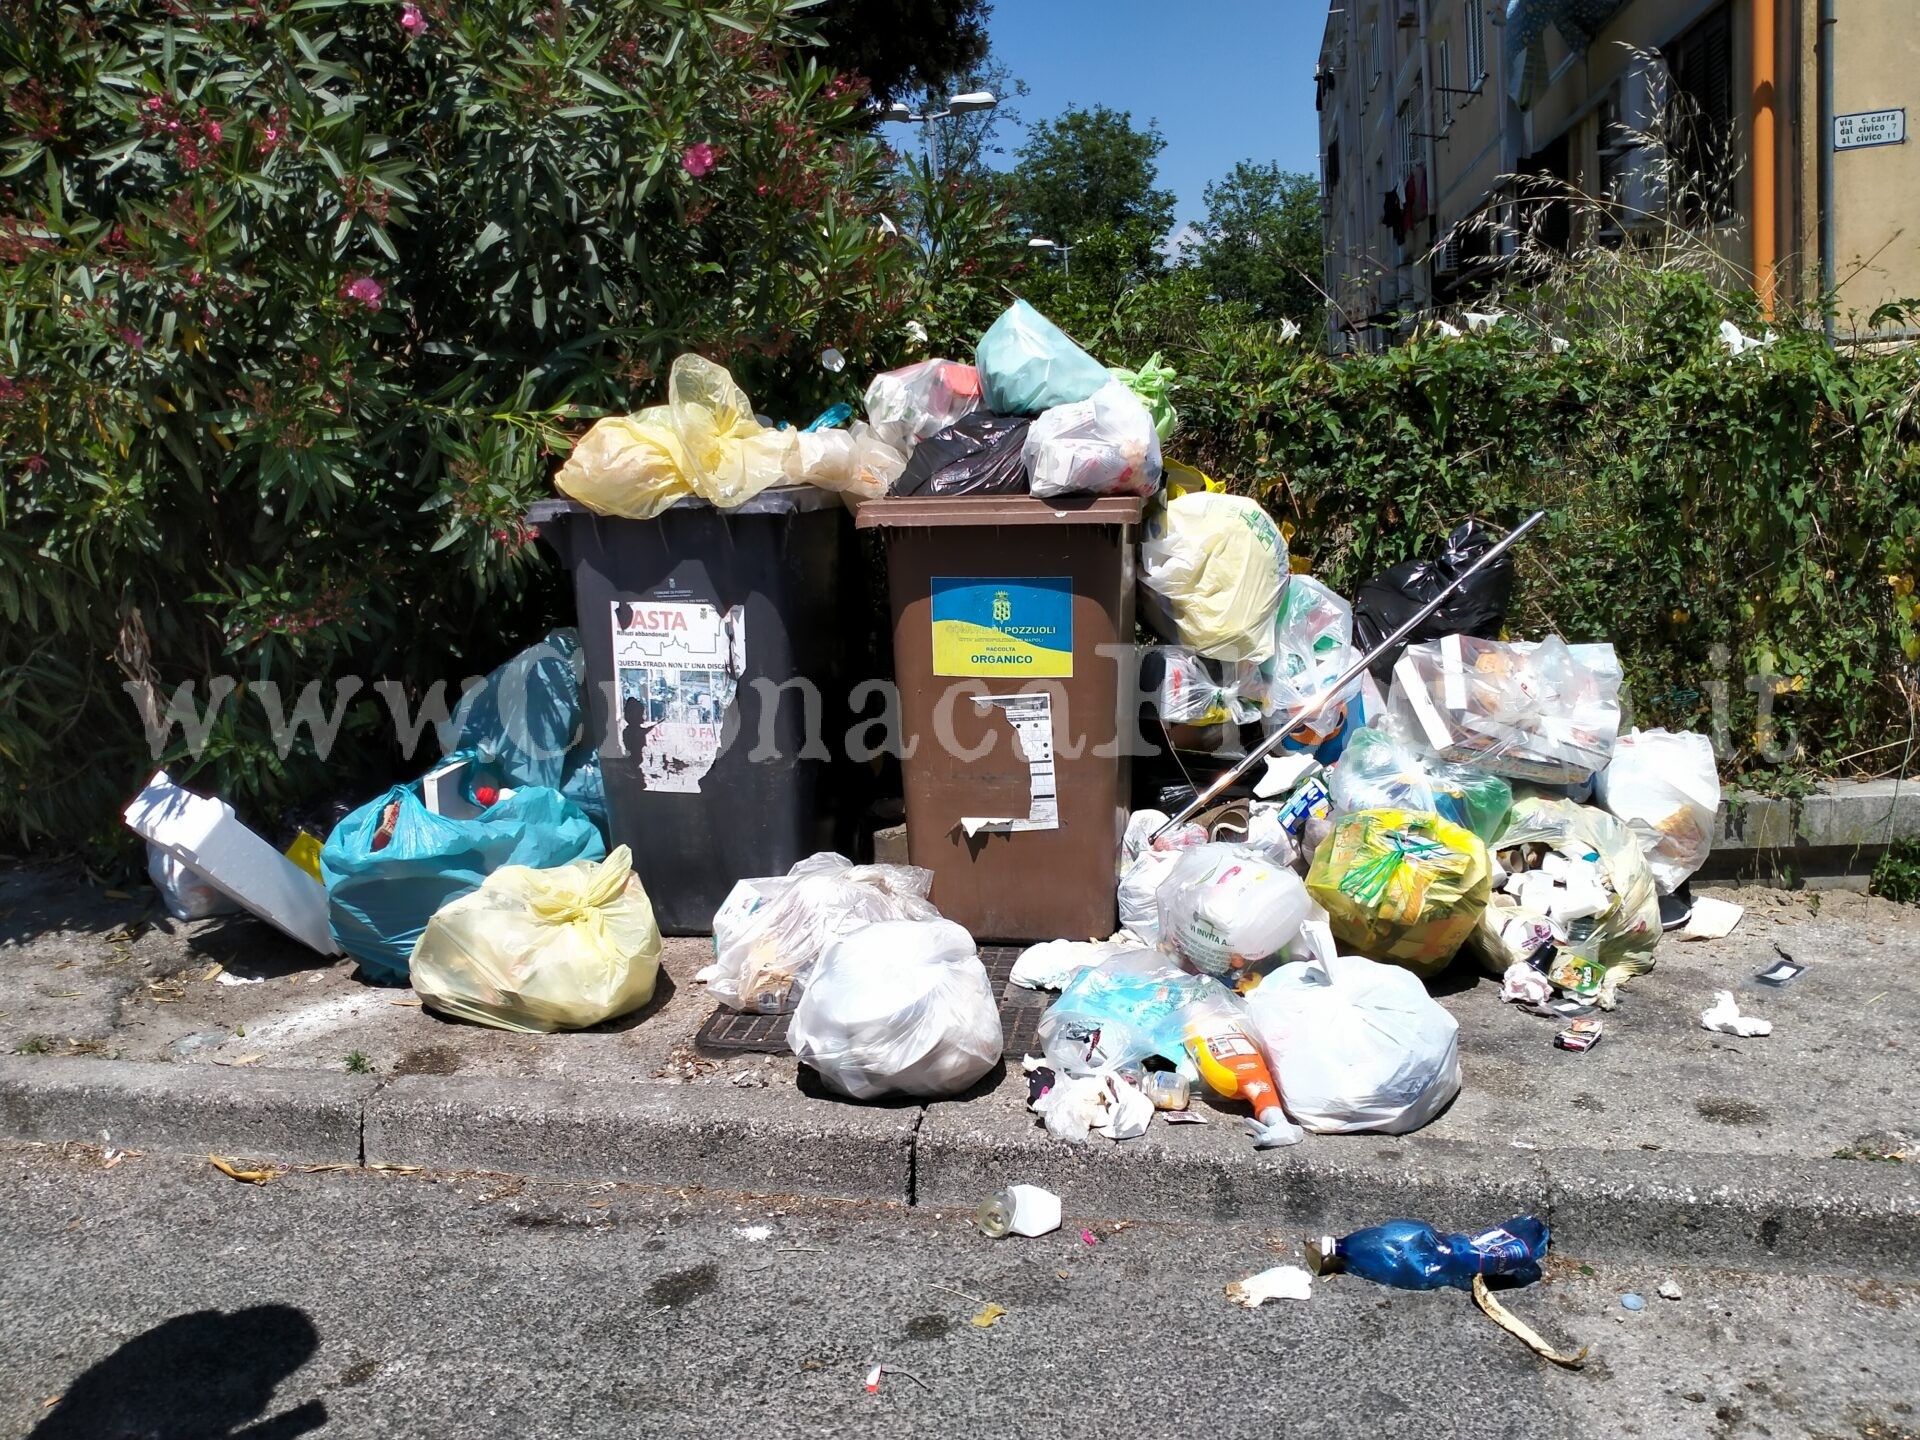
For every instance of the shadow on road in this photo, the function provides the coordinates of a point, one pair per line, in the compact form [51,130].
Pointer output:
[203,1376]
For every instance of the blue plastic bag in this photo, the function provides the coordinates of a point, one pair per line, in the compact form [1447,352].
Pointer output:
[523,718]
[378,901]
[1027,364]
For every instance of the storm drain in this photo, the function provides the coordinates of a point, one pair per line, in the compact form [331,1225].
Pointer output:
[1020,1011]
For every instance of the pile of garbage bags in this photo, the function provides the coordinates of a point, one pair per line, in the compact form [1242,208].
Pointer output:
[1034,414]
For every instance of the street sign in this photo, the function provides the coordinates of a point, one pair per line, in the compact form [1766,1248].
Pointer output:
[1869,128]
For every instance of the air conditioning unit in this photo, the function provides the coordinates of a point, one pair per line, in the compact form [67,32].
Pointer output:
[1643,98]
[1446,258]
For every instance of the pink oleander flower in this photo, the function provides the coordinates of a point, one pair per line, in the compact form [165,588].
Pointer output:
[212,131]
[365,289]
[699,159]
[411,20]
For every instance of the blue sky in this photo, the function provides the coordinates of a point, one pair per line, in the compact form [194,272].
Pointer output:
[1227,80]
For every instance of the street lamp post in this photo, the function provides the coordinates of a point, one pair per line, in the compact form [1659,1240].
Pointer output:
[1065,251]
[965,104]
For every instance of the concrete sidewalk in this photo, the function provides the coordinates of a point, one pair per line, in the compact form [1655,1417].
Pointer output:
[1663,1141]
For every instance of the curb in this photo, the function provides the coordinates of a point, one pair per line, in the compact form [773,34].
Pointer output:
[304,1115]
[1748,1211]
[665,1135]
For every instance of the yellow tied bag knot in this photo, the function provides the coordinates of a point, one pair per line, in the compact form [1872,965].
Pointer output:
[704,441]
[538,950]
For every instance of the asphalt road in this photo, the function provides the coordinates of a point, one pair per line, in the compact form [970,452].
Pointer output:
[158,1299]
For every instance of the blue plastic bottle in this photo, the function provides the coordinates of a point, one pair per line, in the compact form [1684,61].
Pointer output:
[1412,1255]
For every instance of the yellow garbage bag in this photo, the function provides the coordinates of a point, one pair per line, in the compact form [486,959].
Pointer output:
[1213,567]
[1401,885]
[633,466]
[704,441]
[538,950]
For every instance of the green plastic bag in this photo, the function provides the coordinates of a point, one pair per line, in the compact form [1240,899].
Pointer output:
[1153,383]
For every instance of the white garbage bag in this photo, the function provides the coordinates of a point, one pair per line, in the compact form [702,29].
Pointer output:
[903,1007]
[186,895]
[1665,785]
[907,405]
[1356,1045]
[1103,445]
[1144,863]
[1224,907]
[769,933]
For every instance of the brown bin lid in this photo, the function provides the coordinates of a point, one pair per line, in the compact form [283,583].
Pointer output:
[926,512]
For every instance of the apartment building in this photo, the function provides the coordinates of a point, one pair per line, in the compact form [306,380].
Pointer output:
[1432,112]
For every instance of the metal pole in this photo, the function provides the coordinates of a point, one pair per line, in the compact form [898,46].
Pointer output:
[1828,243]
[1353,672]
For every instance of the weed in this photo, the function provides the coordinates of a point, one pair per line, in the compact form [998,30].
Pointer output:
[357,1063]
[1896,874]
[32,1045]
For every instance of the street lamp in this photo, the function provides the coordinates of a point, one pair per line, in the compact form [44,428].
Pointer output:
[967,104]
[1066,253]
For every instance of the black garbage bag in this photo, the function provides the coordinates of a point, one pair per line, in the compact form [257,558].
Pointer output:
[979,454]
[1479,607]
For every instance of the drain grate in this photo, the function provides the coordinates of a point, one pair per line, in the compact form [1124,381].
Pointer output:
[1020,1010]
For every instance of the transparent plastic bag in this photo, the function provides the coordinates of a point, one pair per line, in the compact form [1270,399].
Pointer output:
[1103,445]
[1027,364]
[541,950]
[855,461]
[1401,885]
[1544,711]
[1312,648]
[1153,382]
[1225,907]
[1120,1011]
[1356,1045]
[1666,787]
[907,405]
[768,935]
[1213,568]
[1188,693]
[1598,951]
[704,441]
[903,1007]
[1377,772]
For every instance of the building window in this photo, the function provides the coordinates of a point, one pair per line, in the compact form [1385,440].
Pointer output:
[1333,165]
[1475,32]
[1406,128]
[1443,63]
[1700,119]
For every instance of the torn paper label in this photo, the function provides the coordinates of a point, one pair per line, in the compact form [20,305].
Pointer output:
[677,668]
[1032,719]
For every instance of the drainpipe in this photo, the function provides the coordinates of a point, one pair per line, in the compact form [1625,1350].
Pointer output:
[1828,262]
[1766,161]
[1428,120]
